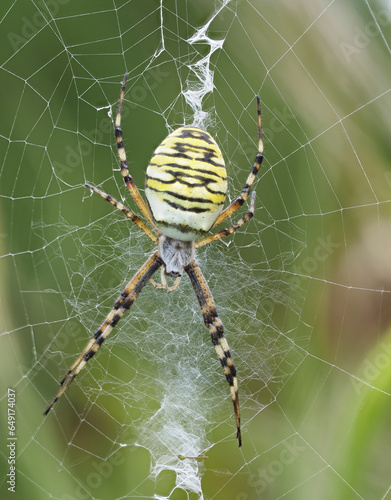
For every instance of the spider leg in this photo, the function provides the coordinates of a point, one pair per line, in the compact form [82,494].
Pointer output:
[123,303]
[164,285]
[231,229]
[128,179]
[129,213]
[216,329]
[250,179]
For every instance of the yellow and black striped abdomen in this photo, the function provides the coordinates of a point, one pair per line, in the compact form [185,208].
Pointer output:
[186,184]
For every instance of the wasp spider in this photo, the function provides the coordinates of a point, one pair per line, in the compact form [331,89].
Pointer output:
[186,185]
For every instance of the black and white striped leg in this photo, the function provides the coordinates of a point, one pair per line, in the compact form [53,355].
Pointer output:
[231,229]
[216,329]
[123,303]
[129,213]
[128,179]
[251,177]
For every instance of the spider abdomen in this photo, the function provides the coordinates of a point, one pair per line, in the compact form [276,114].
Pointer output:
[186,184]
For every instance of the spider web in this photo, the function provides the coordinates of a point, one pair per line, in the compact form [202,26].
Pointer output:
[303,289]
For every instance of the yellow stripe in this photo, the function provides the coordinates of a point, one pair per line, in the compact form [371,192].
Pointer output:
[192,194]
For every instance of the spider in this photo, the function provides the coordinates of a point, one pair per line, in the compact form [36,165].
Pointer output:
[185,187]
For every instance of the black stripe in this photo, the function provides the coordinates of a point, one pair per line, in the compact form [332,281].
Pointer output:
[127,178]
[257,165]
[196,210]
[98,333]
[204,182]
[203,159]
[115,319]
[195,134]
[91,353]
[181,228]
[188,168]
[184,198]
[185,146]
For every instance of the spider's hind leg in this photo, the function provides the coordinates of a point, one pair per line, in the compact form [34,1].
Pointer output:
[122,304]
[216,329]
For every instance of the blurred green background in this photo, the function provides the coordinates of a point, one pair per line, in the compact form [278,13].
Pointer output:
[303,290]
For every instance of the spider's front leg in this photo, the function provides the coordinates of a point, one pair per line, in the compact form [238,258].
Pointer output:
[128,179]
[163,285]
[216,329]
[231,209]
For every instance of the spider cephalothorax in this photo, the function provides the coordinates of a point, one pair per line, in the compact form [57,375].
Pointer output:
[186,185]
[176,255]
